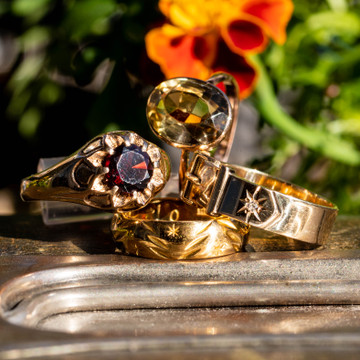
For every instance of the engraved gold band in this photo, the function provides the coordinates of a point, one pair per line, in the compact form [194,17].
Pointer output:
[258,199]
[169,229]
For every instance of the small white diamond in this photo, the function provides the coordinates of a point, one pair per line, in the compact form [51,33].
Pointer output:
[252,205]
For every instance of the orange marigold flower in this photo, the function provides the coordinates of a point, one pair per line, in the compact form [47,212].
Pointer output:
[205,36]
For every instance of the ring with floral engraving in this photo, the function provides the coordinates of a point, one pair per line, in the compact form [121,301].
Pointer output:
[169,229]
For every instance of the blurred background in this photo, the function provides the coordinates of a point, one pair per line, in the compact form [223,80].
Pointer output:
[70,70]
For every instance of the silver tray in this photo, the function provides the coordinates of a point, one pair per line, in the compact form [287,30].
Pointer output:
[65,293]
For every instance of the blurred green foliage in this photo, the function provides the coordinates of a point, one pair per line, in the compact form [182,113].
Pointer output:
[316,75]
[80,68]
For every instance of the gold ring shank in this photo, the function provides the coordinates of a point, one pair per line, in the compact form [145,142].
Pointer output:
[258,199]
[169,229]
[231,90]
[284,187]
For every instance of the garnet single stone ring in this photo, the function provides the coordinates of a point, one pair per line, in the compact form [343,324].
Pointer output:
[115,171]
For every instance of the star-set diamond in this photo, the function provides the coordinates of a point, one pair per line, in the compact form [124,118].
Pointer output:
[252,205]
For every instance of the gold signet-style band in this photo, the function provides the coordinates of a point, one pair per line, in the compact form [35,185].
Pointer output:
[258,199]
[169,229]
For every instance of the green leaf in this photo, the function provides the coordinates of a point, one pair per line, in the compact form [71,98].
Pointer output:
[50,93]
[35,37]
[88,17]
[29,123]
[28,7]
[327,24]
[26,72]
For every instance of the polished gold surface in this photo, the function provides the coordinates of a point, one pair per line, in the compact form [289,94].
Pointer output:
[170,229]
[282,186]
[82,177]
[231,91]
[258,199]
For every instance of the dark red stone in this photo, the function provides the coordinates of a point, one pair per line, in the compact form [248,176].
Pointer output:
[130,169]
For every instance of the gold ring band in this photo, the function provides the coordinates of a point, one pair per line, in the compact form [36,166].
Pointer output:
[115,171]
[258,199]
[169,229]
[231,91]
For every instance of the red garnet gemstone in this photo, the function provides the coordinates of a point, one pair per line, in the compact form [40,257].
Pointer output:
[130,169]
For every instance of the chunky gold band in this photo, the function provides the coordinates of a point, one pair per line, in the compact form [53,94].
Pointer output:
[258,199]
[169,229]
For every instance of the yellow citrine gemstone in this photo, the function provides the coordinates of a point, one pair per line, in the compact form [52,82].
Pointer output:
[189,113]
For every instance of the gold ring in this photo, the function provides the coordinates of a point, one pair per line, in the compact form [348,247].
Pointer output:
[258,199]
[169,229]
[195,115]
[115,171]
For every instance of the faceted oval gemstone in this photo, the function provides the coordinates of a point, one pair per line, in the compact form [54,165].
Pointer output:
[130,169]
[189,113]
